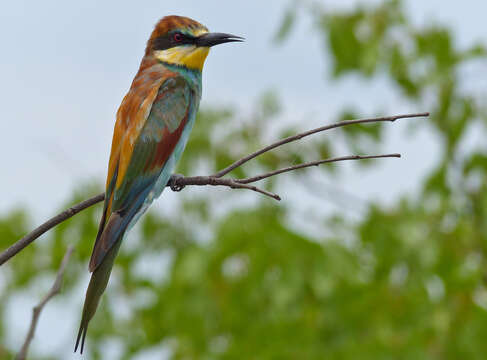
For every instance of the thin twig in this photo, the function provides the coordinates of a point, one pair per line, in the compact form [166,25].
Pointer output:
[36,311]
[289,139]
[213,181]
[313,163]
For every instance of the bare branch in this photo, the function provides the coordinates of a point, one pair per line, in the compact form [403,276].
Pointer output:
[182,182]
[178,182]
[49,224]
[313,163]
[289,139]
[36,311]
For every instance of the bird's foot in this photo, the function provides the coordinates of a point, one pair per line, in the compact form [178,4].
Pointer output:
[173,182]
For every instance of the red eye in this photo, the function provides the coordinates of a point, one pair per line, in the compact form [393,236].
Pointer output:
[178,37]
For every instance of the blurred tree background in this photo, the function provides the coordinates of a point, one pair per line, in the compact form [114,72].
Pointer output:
[223,275]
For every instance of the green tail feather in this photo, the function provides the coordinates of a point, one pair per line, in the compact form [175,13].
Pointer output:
[96,288]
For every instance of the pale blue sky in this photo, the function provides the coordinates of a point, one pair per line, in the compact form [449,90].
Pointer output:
[65,67]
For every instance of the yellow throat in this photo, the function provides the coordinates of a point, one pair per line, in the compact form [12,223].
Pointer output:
[191,56]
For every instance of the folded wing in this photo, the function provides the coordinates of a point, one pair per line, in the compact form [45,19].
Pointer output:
[143,141]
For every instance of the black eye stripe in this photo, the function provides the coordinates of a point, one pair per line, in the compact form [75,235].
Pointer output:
[168,41]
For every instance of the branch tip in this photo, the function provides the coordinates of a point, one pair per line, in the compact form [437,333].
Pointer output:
[299,136]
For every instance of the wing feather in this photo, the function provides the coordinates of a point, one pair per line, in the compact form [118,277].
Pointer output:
[144,138]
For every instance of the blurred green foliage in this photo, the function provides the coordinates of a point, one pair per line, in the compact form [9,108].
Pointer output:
[405,282]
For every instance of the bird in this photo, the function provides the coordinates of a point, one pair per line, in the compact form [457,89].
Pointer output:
[152,127]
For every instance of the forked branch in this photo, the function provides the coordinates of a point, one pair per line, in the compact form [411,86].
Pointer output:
[178,182]
[299,136]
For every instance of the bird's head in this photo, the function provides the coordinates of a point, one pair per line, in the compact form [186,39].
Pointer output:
[179,40]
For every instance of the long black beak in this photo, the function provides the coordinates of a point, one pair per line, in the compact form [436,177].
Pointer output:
[212,39]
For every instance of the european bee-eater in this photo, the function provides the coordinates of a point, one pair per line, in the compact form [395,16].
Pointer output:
[151,131]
